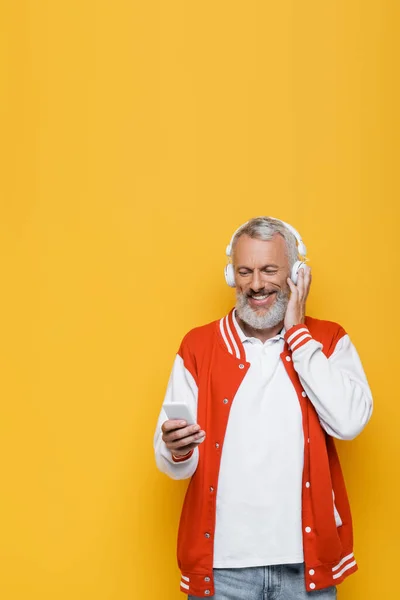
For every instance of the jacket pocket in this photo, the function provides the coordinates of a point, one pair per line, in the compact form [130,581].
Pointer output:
[338,520]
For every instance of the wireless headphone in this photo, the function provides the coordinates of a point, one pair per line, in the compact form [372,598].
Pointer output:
[301,249]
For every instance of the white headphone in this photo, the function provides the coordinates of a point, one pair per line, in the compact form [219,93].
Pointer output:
[302,250]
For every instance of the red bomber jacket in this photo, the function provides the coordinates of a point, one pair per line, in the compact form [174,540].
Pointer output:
[215,358]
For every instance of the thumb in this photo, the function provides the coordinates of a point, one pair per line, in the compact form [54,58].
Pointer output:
[293,287]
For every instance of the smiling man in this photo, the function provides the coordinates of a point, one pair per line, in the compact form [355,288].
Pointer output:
[266,514]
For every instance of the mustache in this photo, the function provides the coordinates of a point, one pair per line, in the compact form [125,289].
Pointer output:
[262,292]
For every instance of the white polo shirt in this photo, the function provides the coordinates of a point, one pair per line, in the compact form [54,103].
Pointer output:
[260,482]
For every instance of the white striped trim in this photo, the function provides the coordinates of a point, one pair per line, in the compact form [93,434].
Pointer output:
[185,587]
[229,330]
[297,342]
[296,333]
[345,559]
[185,578]
[346,568]
[221,326]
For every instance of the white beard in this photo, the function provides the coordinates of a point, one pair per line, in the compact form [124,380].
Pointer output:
[273,316]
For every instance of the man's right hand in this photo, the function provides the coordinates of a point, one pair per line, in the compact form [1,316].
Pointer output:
[181,438]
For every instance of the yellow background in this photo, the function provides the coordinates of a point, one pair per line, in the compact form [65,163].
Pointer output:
[136,136]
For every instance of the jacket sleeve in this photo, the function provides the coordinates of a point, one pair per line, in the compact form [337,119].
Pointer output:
[336,386]
[182,387]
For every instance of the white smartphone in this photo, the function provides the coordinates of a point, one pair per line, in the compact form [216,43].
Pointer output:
[179,411]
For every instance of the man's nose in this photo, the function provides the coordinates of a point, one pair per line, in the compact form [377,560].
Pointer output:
[257,283]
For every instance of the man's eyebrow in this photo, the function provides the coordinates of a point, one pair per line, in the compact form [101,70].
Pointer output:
[269,266]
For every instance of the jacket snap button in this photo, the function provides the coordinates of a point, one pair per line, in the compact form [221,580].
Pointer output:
[311,572]
[207,535]
[207,592]
[226,401]
[241,366]
[206,579]
[312,586]
[288,358]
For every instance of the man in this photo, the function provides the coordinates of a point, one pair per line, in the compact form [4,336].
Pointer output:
[266,513]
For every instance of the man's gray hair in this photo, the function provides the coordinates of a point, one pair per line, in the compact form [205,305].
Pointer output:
[264,228]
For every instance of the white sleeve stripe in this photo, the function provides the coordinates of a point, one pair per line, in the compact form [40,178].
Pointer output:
[232,338]
[185,578]
[345,559]
[296,333]
[346,568]
[221,326]
[185,587]
[301,339]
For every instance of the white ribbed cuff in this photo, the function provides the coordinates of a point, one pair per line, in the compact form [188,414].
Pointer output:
[297,336]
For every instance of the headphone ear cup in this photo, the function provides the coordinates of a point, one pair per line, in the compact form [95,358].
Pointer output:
[295,271]
[230,275]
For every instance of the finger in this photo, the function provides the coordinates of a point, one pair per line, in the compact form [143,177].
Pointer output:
[172,424]
[186,449]
[178,434]
[187,441]
[292,286]
[300,283]
[190,441]
[307,282]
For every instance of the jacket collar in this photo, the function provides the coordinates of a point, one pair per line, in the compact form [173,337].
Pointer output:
[233,337]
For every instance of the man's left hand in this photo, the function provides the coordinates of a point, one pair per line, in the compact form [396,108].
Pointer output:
[296,309]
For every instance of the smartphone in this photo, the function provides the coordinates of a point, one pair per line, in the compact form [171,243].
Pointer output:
[179,411]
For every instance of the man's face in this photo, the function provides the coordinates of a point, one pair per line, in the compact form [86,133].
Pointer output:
[261,272]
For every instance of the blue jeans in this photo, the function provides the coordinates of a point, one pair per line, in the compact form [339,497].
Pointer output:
[281,582]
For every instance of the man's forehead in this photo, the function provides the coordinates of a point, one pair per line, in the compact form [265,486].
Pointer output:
[247,246]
